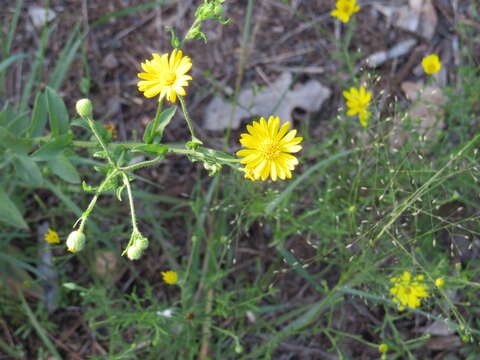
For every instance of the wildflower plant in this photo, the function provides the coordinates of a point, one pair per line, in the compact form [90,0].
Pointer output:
[165,77]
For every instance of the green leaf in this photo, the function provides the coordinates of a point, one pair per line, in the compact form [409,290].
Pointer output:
[13,143]
[165,118]
[51,149]
[157,149]
[9,212]
[62,167]
[65,57]
[39,116]
[7,62]
[7,115]
[19,124]
[57,112]
[154,130]
[28,171]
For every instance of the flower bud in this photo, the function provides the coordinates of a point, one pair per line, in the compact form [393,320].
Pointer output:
[218,10]
[84,107]
[134,252]
[141,242]
[75,241]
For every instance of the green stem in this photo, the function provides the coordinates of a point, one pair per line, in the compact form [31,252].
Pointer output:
[100,140]
[187,118]
[142,164]
[90,207]
[130,201]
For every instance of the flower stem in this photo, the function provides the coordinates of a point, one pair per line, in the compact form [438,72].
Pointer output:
[90,207]
[130,201]
[187,117]
[100,140]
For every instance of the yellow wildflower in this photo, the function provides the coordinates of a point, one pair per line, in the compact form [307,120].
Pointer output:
[165,76]
[268,149]
[52,237]
[170,277]
[383,348]
[439,282]
[358,101]
[345,9]
[407,291]
[431,64]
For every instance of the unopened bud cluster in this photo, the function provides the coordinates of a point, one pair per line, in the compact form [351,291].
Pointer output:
[138,244]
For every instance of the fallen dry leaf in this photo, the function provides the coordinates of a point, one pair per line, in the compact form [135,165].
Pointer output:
[40,16]
[443,342]
[106,263]
[277,99]
[417,16]
[425,112]
[400,49]
[439,328]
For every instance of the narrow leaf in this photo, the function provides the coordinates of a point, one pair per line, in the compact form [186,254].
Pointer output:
[57,112]
[9,212]
[63,168]
[53,148]
[28,171]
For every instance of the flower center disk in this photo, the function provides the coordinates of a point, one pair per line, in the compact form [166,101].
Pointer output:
[170,79]
[271,150]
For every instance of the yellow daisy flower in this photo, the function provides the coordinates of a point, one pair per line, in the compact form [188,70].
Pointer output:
[431,64]
[165,76]
[268,149]
[407,291]
[345,9]
[439,282]
[170,277]
[52,237]
[358,101]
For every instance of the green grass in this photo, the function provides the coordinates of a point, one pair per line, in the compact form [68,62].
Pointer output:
[299,267]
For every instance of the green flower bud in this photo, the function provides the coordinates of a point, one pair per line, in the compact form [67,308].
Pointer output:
[218,10]
[238,349]
[138,240]
[75,241]
[134,252]
[84,107]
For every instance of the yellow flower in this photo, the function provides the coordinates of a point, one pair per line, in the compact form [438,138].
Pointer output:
[170,277]
[358,101]
[383,348]
[439,282]
[407,291]
[345,9]
[250,175]
[52,237]
[165,76]
[431,64]
[268,149]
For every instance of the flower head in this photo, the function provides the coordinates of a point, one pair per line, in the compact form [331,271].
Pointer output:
[358,101]
[84,107]
[345,9]
[431,64]
[269,149]
[165,75]
[52,237]
[439,282]
[407,291]
[383,348]
[170,277]
[75,241]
